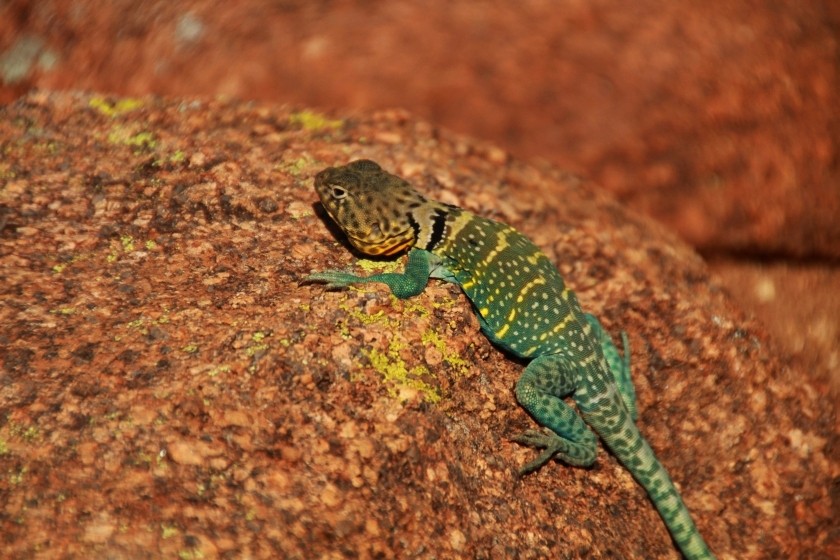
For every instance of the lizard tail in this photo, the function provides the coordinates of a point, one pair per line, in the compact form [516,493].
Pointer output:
[634,452]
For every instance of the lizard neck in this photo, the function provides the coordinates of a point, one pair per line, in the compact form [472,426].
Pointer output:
[433,223]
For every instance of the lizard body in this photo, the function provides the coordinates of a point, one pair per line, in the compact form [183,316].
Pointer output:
[523,306]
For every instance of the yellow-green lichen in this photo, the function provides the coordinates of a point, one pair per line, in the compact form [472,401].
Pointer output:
[190,349]
[20,431]
[127,243]
[140,140]
[396,373]
[141,324]
[399,377]
[16,477]
[168,531]
[4,447]
[310,120]
[113,255]
[258,345]
[31,434]
[256,349]
[415,306]
[122,106]
[63,310]
[364,318]
[449,356]
[62,266]
[296,166]
[216,370]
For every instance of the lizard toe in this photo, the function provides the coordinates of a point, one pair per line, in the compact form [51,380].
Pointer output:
[550,442]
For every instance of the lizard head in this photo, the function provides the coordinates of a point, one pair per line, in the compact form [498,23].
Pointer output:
[370,205]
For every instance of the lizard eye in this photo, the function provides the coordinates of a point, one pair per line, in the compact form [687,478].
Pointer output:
[338,192]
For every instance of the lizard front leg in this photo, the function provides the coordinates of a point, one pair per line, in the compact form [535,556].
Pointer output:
[404,285]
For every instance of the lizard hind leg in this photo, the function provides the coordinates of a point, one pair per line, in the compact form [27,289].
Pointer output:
[539,390]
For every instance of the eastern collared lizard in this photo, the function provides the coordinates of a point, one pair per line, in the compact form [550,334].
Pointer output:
[524,307]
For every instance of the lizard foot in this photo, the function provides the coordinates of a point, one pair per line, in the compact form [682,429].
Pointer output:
[547,440]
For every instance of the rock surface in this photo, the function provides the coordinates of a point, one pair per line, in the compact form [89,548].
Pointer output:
[168,387]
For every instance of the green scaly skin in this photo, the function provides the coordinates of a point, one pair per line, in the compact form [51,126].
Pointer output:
[523,306]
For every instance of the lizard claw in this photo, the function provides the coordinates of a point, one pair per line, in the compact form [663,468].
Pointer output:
[549,441]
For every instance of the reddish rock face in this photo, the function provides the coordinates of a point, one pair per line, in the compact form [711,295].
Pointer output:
[168,388]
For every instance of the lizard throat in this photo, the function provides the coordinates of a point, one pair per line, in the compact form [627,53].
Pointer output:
[387,247]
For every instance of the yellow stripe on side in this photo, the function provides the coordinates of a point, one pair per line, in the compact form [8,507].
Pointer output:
[534,258]
[569,316]
[501,245]
[562,324]
[527,287]
[501,332]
